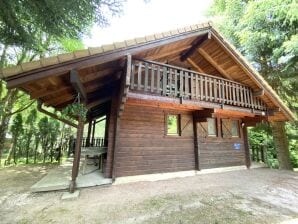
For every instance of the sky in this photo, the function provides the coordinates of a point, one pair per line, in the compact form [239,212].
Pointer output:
[140,18]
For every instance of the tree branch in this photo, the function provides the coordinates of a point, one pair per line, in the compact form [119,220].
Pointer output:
[22,109]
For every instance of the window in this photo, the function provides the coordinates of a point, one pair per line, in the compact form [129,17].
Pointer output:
[173,124]
[211,126]
[230,128]
[226,128]
[207,128]
[235,128]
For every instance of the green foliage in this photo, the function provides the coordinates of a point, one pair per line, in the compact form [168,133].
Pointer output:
[75,110]
[172,124]
[21,20]
[70,45]
[30,30]
[260,137]
[266,32]
[17,125]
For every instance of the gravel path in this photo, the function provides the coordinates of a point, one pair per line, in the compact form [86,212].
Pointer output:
[247,196]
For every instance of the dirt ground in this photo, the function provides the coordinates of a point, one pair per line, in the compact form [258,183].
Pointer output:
[247,196]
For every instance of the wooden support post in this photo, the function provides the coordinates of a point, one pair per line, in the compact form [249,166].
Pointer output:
[77,155]
[196,147]
[116,142]
[93,132]
[246,147]
[77,84]
[107,124]
[89,133]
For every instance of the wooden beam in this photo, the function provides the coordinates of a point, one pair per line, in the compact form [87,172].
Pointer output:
[205,55]
[197,105]
[99,75]
[194,65]
[273,111]
[163,105]
[253,121]
[44,93]
[194,46]
[57,101]
[205,113]
[228,113]
[40,109]
[77,155]
[124,86]
[97,59]
[77,84]
[128,70]
[95,86]
[97,102]
[103,92]
[167,54]
[260,92]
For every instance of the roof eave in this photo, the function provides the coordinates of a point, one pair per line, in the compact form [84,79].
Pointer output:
[259,80]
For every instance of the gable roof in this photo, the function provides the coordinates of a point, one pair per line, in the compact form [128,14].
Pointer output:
[147,47]
[79,54]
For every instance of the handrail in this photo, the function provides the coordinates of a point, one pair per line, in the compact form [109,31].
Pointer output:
[99,142]
[172,81]
[187,70]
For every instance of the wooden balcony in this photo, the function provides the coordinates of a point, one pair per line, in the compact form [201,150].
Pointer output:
[153,78]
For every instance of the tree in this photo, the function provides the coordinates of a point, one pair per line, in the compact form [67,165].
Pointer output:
[26,35]
[20,21]
[43,126]
[29,132]
[266,32]
[53,133]
[16,129]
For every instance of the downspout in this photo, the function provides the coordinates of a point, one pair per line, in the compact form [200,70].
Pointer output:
[40,109]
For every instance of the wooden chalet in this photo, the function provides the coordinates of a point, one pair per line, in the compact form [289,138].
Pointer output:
[174,101]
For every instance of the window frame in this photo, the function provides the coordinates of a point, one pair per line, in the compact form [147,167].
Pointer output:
[215,127]
[231,120]
[238,128]
[178,124]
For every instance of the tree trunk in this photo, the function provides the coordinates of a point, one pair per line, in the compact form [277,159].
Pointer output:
[281,143]
[7,103]
[35,150]
[28,147]
[11,153]
[3,131]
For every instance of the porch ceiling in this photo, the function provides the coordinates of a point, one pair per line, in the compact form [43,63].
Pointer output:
[199,48]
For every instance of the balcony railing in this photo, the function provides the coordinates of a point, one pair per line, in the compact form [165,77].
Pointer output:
[95,143]
[171,81]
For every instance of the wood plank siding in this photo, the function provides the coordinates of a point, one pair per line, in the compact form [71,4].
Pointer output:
[144,148]
[220,152]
